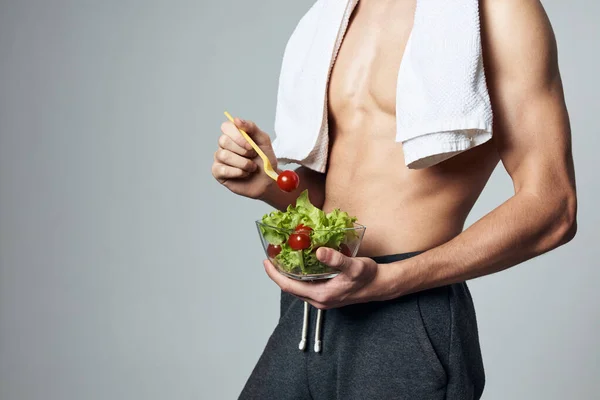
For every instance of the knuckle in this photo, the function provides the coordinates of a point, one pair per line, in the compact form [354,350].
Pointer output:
[218,155]
[251,153]
[285,287]
[223,140]
[239,140]
[240,173]
[222,155]
[219,171]
[266,138]
[358,270]
[323,298]
[324,304]
[225,126]
[360,265]
[263,137]
[337,258]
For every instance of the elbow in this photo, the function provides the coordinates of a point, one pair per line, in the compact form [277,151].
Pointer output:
[571,231]
[566,232]
[564,226]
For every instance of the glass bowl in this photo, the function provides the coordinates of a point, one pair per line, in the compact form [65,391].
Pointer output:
[303,264]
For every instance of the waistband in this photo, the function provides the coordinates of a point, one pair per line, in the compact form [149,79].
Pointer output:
[394,257]
[379,260]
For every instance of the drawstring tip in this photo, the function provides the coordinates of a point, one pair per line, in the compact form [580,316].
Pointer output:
[318,331]
[302,344]
[318,346]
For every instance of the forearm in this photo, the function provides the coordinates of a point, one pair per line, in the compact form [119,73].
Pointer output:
[523,227]
[313,181]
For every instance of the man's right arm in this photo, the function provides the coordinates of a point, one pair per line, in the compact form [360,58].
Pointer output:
[237,167]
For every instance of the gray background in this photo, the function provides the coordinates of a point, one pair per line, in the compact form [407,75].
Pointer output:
[126,272]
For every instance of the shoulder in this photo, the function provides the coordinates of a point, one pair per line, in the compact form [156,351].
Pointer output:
[304,30]
[518,40]
[503,11]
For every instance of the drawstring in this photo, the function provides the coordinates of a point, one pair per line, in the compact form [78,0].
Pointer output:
[302,344]
[318,332]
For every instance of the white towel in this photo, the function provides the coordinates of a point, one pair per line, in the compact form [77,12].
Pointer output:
[442,102]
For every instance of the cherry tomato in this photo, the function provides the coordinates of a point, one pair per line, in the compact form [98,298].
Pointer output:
[273,250]
[345,250]
[303,228]
[299,241]
[288,181]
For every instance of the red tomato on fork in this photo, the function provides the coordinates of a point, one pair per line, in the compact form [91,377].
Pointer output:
[288,181]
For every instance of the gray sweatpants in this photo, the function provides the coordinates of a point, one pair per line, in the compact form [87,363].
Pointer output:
[422,346]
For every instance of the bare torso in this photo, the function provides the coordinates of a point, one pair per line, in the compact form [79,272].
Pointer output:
[403,209]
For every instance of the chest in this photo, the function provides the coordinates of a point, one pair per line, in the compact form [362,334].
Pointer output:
[365,71]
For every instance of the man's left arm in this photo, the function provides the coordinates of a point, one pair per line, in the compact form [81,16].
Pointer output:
[532,136]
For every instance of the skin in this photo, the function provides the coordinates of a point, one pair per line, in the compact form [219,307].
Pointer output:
[426,209]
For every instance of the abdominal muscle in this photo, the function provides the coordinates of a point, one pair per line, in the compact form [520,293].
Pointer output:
[404,210]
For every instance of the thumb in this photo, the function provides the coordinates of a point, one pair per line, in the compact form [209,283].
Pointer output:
[333,258]
[259,137]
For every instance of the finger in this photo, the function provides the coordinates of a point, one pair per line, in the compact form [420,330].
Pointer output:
[259,137]
[222,172]
[334,258]
[225,142]
[231,159]
[230,130]
[304,290]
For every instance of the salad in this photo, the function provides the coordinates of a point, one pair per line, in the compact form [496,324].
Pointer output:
[294,236]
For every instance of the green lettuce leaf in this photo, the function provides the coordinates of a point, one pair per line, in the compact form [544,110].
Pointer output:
[329,230]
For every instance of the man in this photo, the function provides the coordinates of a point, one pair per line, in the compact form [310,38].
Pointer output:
[400,323]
